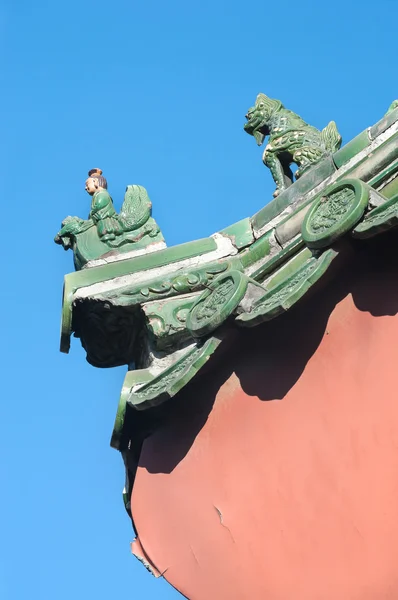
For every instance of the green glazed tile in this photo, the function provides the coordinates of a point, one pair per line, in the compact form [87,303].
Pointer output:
[384,123]
[277,259]
[257,251]
[375,161]
[290,268]
[140,263]
[348,151]
[240,233]
[293,193]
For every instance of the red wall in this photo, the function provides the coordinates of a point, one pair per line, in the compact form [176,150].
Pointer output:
[275,475]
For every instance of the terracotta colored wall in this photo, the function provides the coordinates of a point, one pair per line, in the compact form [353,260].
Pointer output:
[276,475]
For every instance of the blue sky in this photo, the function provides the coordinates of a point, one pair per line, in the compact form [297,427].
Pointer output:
[153,93]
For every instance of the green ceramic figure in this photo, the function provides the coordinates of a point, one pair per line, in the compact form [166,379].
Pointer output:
[102,211]
[291,140]
[105,231]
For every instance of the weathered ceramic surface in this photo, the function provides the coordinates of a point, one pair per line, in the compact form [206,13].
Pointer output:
[155,309]
[169,313]
[335,212]
[381,218]
[280,478]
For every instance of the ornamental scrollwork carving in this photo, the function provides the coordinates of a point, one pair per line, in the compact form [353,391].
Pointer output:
[172,379]
[284,295]
[331,209]
[335,212]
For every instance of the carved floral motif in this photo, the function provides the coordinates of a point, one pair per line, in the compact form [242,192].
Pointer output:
[280,293]
[217,303]
[331,209]
[288,292]
[174,377]
[335,212]
[214,301]
[170,285]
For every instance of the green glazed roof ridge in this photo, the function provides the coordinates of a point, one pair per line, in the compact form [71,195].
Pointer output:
[166,313]
[223,249]
[126,264]
[156,294]
[339,173]
[105,278]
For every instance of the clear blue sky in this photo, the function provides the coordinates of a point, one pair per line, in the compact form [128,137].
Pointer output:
[153,93]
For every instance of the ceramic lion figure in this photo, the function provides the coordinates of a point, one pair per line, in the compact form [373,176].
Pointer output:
[291,140]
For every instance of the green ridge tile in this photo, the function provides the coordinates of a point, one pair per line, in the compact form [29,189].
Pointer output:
[391,189]
[377,160]
[290,268]
[260,248]
[291,226]
[299,188]
[273,263]
[384,174]
[240,233]
[347,152]
[384,123]
[140,263]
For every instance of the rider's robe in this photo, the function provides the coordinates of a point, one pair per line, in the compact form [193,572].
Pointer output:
[104,216]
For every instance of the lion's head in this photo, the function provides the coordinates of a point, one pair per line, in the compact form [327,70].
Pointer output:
[258,117]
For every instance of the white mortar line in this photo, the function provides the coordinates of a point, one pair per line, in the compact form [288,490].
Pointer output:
[224,248]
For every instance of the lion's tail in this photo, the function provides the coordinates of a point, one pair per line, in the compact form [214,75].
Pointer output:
[331,137]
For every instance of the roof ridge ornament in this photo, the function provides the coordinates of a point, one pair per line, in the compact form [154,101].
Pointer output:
[106,232]
[291,140]
[166,312]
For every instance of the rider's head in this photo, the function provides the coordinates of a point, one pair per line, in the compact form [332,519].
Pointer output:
[95,181]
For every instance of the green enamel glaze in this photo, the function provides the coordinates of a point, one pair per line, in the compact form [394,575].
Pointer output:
[335,212]
[183,281]
[140,263]
[384,175]
[291,140]
[131,379]
[66,322]
[153,319]
[257,251]
[375,161]
[171,380]
[391,189]
[289,269]
[378,220]
[86,277]
[367,168]
[283,296]
[278,258]
[88,246]
[217,303]
[389,119]
[240,233]
[291,226]
[360,142]
[302,186]
[393,106]
[106,232]
[167,320]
